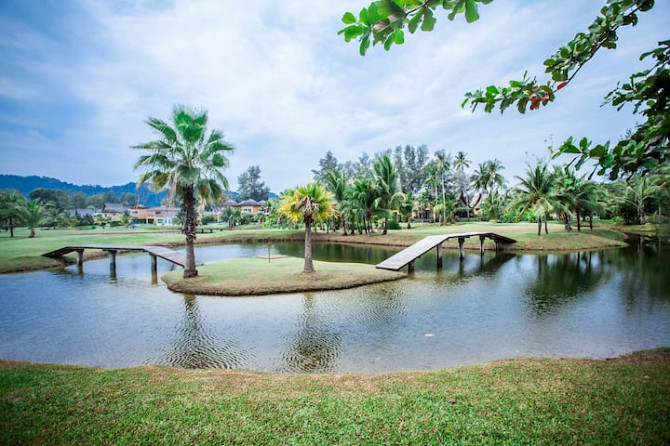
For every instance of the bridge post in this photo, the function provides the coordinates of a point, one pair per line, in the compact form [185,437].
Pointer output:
[461,249]
[495,240]
[439,255]
[410,267]
[154,264]
[481,244]
[112,263]
[80,257]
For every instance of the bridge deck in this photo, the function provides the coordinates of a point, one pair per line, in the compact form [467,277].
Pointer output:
[158,251]
[411,253]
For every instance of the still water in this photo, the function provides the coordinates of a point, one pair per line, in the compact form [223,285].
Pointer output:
[587,305]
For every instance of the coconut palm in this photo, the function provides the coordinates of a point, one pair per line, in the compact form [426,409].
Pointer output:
[190,163]
[32,214]
[363,196]
[10,202]
[387,182]
[407,208]
[336,182]
[442,165]
[309,204]
[535,193]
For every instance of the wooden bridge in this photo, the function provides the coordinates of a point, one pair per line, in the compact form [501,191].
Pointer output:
[407,256]
[154,251]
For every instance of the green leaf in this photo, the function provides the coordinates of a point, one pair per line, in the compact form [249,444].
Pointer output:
[348,18]
[399,37]
[597,151]
[471,14]
[428,20]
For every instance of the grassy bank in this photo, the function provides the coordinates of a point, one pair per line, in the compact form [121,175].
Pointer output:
[515,402]
[25,254]
[258,276]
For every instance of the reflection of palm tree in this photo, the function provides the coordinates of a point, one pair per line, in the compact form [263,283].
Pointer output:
[563,278]
[196,348]
[314,347]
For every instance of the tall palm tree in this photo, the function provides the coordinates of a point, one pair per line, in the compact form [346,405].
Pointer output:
[535,193]
[387,182]
[461,161]
[32,214]
[189,162]
[637,192]
[442,165]
[336,182]
[309,204]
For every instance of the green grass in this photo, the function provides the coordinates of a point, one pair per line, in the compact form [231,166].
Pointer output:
[258,276]
[513,402]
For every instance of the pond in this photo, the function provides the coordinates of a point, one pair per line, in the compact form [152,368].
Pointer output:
[584,304]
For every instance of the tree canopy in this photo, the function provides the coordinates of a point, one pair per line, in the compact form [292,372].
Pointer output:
[385,21]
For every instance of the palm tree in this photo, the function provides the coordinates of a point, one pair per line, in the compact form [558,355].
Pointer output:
[461,161]
[442,165]
[31,214]
[535,193]
[407,208]
[309,204]
[186,161]
[336,182]
[637,192]
[363,196]
[387,183]
[9,208]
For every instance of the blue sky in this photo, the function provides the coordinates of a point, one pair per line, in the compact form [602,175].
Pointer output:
[78,78]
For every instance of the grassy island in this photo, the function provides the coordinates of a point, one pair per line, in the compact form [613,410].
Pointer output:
[622,401]
[259,276]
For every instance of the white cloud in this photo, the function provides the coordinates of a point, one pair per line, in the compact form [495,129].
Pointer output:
[285,88]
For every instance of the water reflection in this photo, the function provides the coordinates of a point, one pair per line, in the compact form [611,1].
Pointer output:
[591,304]
[196,347]
[314,345]
[561,278]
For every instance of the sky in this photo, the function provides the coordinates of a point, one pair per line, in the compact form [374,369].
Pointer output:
[79,78]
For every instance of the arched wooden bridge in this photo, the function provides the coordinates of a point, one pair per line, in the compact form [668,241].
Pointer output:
[407,256]
[154,251]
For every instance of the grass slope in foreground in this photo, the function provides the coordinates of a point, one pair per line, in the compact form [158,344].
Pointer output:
[625,401]
[257,276]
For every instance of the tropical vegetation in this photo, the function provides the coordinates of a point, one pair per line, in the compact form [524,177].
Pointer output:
[187,162]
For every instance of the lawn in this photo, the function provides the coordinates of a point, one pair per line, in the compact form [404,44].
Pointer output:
[258,276]
[624,401]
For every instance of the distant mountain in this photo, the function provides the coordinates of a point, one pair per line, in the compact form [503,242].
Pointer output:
[26,184]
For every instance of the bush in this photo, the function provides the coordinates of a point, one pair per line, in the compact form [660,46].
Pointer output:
[393,224]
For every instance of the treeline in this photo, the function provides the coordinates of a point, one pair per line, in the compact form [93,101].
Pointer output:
[409,183]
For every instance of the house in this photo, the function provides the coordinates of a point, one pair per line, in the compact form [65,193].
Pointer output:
[82,212]
[113,211]
[246,207]
[159,215]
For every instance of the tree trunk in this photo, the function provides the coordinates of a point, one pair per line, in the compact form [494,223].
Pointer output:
[344,226]
[189,226]
[539,226]
[591,222]
[579,223]
[309,265]
[386,224]
[11,227]
[32,232]
[546,230]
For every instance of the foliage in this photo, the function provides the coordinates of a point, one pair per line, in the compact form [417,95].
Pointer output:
[384,22]
[308,204]
[250,186]
[189,163]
